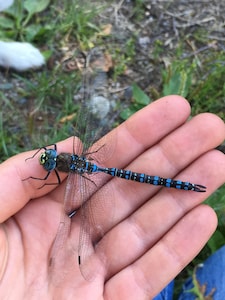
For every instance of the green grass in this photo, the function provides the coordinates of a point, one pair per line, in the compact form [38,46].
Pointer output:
[20,21]
[203,84]
[76,23]
[48,94]
[138,101]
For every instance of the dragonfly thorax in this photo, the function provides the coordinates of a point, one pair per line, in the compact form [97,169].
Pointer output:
[72,163]
[80,165]
[63,162]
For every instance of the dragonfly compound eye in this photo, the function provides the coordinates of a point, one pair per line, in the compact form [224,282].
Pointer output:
[47,161]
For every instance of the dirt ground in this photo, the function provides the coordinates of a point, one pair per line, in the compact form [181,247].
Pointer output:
[159,30]
[168,23]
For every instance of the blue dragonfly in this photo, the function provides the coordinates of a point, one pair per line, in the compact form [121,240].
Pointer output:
[73,163]
[82,184]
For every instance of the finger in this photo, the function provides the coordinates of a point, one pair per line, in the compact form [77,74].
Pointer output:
[178,145]
[160,160]
[122,197]
[169,156]
[149,274]
[14,192]
[152,220]
[145,128]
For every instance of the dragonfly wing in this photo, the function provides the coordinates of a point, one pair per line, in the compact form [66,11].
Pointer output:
[92,123]
[97,215]
[62,256]
[79,190]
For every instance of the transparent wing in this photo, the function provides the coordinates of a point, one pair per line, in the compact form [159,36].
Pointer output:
[97,215]
[95,210]
[77,237]
[92,125]
[62,255]
[93,120]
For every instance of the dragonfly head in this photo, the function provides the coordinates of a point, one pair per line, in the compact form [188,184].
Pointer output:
[48,159]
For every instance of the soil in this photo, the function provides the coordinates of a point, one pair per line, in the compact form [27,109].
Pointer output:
[159,28]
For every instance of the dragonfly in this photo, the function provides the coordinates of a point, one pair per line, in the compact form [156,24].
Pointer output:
[81,185]
[73,163]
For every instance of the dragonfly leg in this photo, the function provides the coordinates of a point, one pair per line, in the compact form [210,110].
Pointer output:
[46,177]
[92,152]
[47,169]
[88,179]
[32,177]
[45,148]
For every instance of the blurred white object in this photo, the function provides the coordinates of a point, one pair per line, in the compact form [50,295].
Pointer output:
[5,4]
[20,56]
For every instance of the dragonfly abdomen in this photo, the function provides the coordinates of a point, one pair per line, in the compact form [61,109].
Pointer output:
[155,180]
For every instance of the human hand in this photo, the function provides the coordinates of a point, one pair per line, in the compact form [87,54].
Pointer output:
[156,233]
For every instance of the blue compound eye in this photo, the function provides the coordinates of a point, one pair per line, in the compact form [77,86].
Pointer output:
[50,164]
[48,161]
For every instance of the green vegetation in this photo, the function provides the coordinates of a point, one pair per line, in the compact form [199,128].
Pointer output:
[138,101]
[19,22]
[205,89]
[122,57]
[42,110]
[76,23]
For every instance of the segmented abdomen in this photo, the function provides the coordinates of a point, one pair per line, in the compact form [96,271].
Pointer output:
[144,178]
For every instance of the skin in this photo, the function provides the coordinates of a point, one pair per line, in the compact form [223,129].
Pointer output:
[155,231]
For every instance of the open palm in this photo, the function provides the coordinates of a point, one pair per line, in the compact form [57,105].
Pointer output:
[156,232]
